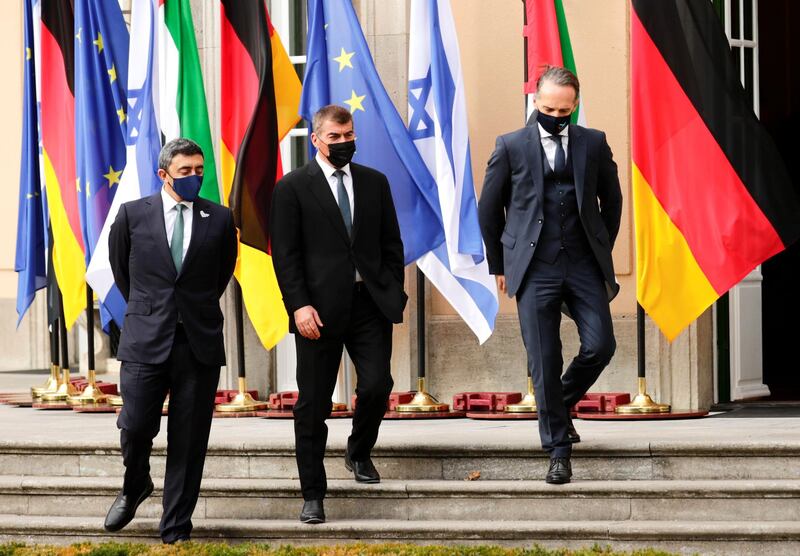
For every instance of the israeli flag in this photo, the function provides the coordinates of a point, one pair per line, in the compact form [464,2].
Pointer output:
[437,113]
[143,143]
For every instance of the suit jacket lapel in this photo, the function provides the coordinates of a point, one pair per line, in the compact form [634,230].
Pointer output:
[322,191]
[155,221]
[534,153]
[199,229]
[577,147]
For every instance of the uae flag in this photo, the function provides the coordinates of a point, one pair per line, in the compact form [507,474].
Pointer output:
[182,98]
[547,43]
[712,199]
[260,99]
[58,38]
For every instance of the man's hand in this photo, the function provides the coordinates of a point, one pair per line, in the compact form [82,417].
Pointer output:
[501,282]
[307,321]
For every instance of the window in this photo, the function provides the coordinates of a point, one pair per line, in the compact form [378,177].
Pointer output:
[741,25]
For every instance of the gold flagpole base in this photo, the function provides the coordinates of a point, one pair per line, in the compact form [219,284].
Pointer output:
[338,406]
[642,403]
[243,401]
[49,387]
[422,402]
[527,404]
[91,395]
[64,392]
[116,401]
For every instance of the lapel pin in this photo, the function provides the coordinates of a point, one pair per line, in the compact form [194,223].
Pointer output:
[204,214]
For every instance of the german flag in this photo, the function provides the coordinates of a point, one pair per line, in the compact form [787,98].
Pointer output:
[58,139]
[712,199]
[260,99]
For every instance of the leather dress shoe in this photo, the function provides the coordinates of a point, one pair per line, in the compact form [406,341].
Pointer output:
[124,507]
[572,434]
[363,471]
[560,471]
[313,512]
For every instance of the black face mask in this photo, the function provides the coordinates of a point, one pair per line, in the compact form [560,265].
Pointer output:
[553,124]
[340,154]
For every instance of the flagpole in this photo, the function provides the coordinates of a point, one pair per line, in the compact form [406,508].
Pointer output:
[642,403]
[65,389]
[91,394]
[422,401]
[243,401]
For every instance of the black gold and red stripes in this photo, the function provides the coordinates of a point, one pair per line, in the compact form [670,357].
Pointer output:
[251,127]
[58,142]
[712,199]
[260,99]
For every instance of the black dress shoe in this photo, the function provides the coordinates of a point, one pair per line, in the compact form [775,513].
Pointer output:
[313,512]
[572,434]
[363,471]
[124,507]
[177,540]
[560,471]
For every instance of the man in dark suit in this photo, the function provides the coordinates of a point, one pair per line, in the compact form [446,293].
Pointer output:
[341,277]
[172,255]
[550,212]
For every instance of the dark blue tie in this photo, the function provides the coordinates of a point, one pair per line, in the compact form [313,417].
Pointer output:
[561,156]
[344,201]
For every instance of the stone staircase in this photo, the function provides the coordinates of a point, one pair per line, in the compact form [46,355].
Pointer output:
[734,498]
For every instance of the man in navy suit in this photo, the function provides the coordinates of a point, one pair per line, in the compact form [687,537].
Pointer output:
[172,255]
[550,212]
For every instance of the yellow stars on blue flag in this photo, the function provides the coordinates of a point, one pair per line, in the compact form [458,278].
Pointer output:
[78,34]
[28,53]
[355,102]
[112,176]
[98,42]
[122,115]
[112,73]
[344,59]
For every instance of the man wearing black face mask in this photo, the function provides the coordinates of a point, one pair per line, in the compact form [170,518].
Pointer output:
[550,212]
[172,255]
[338,258]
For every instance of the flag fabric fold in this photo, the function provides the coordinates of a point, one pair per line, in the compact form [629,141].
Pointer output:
[260,98]
[143,143]
[712,198]
[30,261]
[340,70]
[58,143]
[101,74]
[438,127]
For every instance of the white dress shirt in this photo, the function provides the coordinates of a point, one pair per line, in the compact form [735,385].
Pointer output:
[333,183]
[171,213]
[549,145]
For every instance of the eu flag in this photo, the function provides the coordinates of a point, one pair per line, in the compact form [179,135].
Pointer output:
[30,263]
[340,70]
[101,71]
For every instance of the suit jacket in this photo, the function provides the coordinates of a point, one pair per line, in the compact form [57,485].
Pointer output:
[315,260]
[511,205]
[145,275]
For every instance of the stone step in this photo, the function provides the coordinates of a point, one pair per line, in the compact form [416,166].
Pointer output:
[686,537]
[662,462]
[264,499]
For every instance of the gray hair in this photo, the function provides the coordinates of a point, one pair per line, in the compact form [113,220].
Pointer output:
[338,114]
[558,76]
[173,148]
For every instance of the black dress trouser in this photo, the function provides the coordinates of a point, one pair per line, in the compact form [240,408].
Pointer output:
[368,339]
[192,387]
[580,285]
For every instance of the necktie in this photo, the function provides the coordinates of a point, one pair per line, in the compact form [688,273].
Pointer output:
[344,201]
[176,246]
[561,156]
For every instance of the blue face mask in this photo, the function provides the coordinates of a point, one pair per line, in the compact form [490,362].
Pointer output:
[187,187]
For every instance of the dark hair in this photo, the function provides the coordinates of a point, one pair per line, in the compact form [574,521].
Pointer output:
[338,114]
[558,76]
[183,146]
